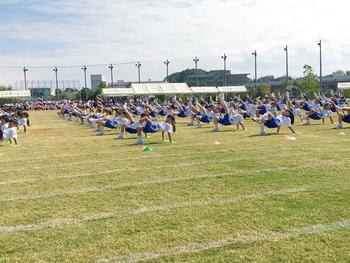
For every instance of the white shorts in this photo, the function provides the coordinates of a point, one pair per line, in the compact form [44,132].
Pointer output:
[22,122]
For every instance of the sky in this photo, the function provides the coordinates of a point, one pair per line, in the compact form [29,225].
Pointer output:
[48,33]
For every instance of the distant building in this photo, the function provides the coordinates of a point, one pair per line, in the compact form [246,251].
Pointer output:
[96,80]
[330,82]
[276,84]
[119,84]
[216,78]
[46,88]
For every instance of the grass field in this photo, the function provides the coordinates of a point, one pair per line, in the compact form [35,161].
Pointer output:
[67,195]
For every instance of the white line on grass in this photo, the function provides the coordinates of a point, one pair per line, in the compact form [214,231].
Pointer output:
[87,218]
[120,148]
[132,158]
[85,162]
[125,149]
[144,183]
[119,171]
[245,239]
[114,187]
[123,170]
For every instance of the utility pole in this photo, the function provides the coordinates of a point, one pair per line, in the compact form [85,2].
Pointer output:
[224,57]
[196,67]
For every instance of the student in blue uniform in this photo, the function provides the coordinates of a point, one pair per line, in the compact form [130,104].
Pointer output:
[344,116]
[229,118]
[22,120]
[207,115]
[130,126]
[9,133]
[319,115]
[270,121]
[166,127]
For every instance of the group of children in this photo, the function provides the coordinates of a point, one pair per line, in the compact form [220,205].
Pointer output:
[10,122]
[142,117]
[121,117]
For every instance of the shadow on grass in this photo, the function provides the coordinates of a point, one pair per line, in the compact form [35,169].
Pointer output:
[268,134]
[149,144]
[344,128]
[221,131]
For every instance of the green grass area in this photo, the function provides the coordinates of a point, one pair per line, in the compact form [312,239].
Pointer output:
[67,195]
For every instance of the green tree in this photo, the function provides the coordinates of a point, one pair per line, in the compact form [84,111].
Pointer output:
[309,84]
[67,95]
[4,88]
[339,72]
[179,77]
[70,90]
[202,83]
[346,93]
[251,91]
[85,93]
[90,94]
[264,89]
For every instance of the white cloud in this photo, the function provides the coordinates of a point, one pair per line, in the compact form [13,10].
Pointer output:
[92,31]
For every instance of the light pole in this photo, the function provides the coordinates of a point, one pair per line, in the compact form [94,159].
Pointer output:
[224,57]
[287,64]
[138,65]
[167,62]
[84,68]
[25,70]
[111,68]
[196,67]
[58,92]
[256,71]
[320,45]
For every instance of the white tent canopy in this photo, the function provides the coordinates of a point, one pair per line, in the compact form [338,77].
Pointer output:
[176,88]
[168,89]
[344,85]
[15,94]
[232,89]
[204,90]
[160,88]
[118,92]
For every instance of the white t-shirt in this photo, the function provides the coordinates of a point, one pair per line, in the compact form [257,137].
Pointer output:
[166,127]
[237,118]
[251,109]
[210,114]
[297,111]
[231,110]
[4,126]
[283,120]
[122,121]
[140,109]
[327,113]
[316,106]
[9,134]
[22,121]
[273,109]
[136,125]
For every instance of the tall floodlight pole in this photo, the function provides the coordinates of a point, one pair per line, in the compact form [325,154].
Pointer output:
[56,78]
[167,62]
[287,63]
[25,70]
[111,68]
[138,65]
[321,81]
[195,60]
[256,71]
[224,57]
[84,68]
